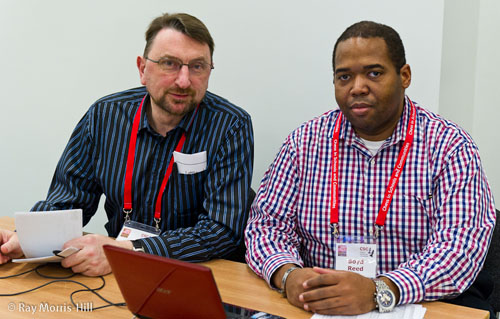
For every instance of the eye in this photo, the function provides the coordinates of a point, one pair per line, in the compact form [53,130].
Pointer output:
[169,63]
[374,74]
[343,77]
[197,66]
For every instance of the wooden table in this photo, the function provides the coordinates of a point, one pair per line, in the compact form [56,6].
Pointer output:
[236,282]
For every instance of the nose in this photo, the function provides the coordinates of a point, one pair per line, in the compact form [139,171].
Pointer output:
[182,80]
[359,86]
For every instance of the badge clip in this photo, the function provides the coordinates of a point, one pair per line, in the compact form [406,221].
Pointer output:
[335,229]
[127,212]
[376,230]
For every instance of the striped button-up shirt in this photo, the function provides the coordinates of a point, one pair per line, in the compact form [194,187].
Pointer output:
[203,215]
[439,224]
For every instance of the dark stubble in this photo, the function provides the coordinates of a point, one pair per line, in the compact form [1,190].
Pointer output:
[165,105]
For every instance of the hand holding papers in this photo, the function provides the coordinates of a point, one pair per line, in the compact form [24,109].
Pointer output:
[57,257]
[42,233]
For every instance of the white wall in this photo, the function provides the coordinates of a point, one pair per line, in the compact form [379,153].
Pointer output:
[272,57]
[486,100]
[469,82]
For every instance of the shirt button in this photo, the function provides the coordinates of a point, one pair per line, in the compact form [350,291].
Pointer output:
[371,196]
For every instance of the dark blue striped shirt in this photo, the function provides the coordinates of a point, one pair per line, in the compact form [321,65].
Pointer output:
[203,214]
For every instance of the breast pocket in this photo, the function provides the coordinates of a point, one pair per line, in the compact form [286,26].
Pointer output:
[189,196]
[409,221]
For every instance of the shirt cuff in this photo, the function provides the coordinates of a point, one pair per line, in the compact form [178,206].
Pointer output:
[274,262]
[411,287]
[155,246]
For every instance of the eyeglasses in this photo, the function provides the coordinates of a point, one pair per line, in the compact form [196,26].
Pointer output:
[173,65]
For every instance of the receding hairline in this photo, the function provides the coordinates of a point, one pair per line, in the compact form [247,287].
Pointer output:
[364,38]
[369,30]
[185,23]
[180,32]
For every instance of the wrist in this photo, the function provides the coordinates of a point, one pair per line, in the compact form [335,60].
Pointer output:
[394,288]
[284,279]
[384,296]
[137,246]
[126,244]
[280,274]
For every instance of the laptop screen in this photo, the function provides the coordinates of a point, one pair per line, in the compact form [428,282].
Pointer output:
[159,287]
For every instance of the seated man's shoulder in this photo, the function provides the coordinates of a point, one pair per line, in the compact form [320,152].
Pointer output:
[117,106]
[441,131]
[219,105]
[118,98]
[321,125]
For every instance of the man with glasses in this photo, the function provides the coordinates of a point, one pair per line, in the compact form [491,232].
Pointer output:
[126,145]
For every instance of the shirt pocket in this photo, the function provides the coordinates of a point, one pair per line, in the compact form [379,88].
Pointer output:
[410,224]
[189,191]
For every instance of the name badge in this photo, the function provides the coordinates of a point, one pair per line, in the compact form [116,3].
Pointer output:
[132,230]
[191,163]
[356,254]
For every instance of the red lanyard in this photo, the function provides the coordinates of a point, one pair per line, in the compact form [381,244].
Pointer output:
[393,182]
[127,194]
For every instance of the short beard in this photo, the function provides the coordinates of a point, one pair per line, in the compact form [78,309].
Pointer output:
[165,105]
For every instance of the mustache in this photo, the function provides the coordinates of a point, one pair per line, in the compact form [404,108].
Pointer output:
[187,91]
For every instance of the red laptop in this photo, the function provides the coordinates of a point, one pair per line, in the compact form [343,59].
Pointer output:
[159,287]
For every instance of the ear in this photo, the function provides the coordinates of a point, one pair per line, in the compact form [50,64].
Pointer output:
[405,74]
[141,65]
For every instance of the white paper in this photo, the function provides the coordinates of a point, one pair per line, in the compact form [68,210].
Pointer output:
[48,259]
[399,312]
[40,233]
[190,163]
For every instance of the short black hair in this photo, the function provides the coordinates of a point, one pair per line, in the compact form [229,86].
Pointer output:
[370,29]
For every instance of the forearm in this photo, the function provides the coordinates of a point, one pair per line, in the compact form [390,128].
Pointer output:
[206,240]
[447,265]
[270,248]
[270,242]
[271,234]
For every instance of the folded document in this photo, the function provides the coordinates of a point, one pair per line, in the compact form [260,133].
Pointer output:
[42,233]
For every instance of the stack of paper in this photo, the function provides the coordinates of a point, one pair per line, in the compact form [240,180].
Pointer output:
[42,233]
[400,312]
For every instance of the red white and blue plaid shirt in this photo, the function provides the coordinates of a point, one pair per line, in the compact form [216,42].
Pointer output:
[438,227]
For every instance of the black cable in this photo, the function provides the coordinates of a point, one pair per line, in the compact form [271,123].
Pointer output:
[37,270]
[64,279]
[19,274]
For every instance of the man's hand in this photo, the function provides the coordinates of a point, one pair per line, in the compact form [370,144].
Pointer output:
[9,246]
[91,260]
[336,292]
[295,285]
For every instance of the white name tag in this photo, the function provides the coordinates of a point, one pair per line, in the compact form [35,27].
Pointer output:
[132,230]
[356,254]
[190,163]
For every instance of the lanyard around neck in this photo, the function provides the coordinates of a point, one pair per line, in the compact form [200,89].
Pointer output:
[129,172]
[393,182]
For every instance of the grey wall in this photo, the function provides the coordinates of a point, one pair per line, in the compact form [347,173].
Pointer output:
[272,57]
[469,76]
